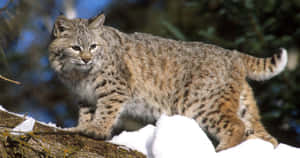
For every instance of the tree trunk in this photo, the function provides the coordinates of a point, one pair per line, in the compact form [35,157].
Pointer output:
[45,141]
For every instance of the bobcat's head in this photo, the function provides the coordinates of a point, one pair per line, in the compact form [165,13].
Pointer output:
[77,44]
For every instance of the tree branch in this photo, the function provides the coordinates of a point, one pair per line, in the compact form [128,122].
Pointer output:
[9,80]
[47,141]
[5,6]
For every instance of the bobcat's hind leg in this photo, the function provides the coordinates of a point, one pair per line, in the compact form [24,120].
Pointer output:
[222,124]
[260,132]
[250,115]
[230,128]
[232,131]
[219,118]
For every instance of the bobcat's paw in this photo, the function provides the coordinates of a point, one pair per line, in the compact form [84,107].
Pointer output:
[90,131]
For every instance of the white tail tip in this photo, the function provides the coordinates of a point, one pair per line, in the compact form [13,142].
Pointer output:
[283,61]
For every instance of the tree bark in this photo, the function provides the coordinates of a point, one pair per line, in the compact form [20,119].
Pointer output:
[46,141]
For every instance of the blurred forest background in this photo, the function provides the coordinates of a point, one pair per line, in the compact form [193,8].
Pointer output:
[253,26]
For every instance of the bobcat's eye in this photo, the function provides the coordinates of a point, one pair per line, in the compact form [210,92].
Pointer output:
[93,46]
[59,55]
[76,48]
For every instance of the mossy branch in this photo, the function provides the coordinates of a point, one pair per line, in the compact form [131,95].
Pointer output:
[47,141]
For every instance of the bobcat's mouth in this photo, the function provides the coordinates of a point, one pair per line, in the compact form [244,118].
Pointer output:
[85,67]
[81,65]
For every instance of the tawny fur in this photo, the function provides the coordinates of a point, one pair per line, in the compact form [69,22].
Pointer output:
[115,74]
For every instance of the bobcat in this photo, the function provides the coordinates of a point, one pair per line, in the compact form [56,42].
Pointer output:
[144,76]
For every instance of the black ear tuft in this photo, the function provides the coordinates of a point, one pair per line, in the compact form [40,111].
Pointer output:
[61,29]
[90,20]
[61,25]
[97,21]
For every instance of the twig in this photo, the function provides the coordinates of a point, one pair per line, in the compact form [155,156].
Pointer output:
[9,80]
[6,6]
[2,150]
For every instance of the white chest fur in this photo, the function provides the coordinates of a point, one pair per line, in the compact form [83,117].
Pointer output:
[85,90]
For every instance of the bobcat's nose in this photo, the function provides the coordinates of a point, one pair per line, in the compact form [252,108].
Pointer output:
[86,57]
[86,60]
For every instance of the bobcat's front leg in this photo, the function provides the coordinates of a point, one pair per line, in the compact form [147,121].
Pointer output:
[111,95]
[85,116]
[100,123]
[105,117]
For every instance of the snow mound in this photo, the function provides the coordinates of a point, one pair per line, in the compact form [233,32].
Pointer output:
[284,150]
[179,136]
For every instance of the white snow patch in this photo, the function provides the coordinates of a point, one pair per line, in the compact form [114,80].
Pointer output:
[179,136]
[24,127]
[250,148]
[49,124]
[2,108]
[284,150]
[27,122]
[140,140]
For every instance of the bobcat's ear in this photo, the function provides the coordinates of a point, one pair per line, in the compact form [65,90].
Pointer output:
[61,26]
[97,21]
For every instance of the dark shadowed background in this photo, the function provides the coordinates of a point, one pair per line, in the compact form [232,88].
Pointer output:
[253,26]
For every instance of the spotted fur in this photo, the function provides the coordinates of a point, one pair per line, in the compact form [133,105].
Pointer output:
[144,76]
